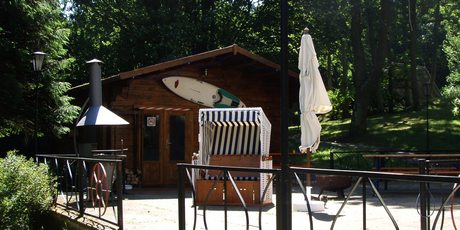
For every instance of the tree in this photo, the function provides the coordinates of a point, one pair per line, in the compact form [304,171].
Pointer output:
[37,25]
[413,28]
[435,41]
[136,33]
[366,83]
[354,40]
[451,47]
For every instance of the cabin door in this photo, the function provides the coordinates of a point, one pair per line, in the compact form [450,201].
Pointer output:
[165,142]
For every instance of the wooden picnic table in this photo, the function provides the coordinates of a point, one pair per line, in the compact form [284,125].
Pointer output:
[414,155]
[380,161]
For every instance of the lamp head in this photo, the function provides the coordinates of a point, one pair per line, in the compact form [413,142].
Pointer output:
[37,61]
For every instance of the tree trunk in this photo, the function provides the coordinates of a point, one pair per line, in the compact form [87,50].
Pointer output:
[378,100]
[407,87]
[434,64]
[207,27]
[358,124]
[391,92]
[378,58]
[371,16]
[343,83]
[329,72]
[364,87]
[413,54]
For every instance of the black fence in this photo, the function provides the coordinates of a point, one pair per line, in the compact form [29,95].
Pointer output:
[362,160]
[91,186]
[365,179]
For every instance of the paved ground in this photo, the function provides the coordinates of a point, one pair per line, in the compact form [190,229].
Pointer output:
[157,209]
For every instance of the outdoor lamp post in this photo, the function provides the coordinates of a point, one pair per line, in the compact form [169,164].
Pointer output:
[37,63]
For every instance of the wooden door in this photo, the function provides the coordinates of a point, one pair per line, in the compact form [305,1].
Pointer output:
[151,146]
[166,137]
[176,144]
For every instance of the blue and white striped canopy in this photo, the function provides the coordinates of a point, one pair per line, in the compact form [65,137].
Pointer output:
[249,115]
[232,131]
[235,137]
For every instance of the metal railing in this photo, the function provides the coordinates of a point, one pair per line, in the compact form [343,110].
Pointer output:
[363,178]
[342,159]
[91,186]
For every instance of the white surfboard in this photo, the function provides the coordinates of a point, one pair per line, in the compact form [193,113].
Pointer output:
[202,93]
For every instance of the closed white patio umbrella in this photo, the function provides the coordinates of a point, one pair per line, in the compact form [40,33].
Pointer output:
[313,98]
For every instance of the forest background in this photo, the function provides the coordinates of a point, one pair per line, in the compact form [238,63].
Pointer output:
[376,56]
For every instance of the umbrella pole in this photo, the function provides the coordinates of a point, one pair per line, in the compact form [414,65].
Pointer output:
[308,152]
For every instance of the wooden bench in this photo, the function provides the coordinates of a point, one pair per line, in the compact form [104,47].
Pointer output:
[415,170]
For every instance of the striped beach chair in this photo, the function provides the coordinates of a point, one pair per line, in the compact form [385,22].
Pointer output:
[233,137]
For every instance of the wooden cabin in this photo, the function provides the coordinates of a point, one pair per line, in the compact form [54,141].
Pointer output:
[163,129]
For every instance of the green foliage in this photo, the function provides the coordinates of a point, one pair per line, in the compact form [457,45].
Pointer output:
[341,102]
[25,27]
[135,33]
[401,130]
[452,50]
[26,191]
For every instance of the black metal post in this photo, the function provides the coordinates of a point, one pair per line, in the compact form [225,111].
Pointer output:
[364,202]
[225,199]
[81,183]
[285,192]
[123,173]
[181,196]
[36,114]
[120,186]
[424,224]
[279,201]
[37,63]
[427,98]
[331,160]
[123,166]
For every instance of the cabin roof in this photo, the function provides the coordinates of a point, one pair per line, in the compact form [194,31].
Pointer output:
[231,56]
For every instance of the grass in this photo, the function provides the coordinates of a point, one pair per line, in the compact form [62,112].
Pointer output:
[401,130]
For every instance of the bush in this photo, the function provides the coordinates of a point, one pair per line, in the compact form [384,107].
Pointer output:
[26,191]
[341,102]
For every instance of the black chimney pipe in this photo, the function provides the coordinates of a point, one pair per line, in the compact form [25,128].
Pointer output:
[96,113]
[95,89]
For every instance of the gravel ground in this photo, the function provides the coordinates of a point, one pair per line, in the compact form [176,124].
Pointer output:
[157,208]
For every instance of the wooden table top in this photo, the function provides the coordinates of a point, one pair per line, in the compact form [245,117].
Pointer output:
[413,155]
[289,154]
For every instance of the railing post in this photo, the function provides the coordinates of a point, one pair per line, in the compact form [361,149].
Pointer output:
[181,196]
[120,190]
[331,160]
[225,198]
[122,175]
[285,191]
[80,179]
[424,218]
[279,200]
[364,203]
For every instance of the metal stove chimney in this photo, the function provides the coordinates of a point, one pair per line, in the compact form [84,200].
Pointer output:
[96,114]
